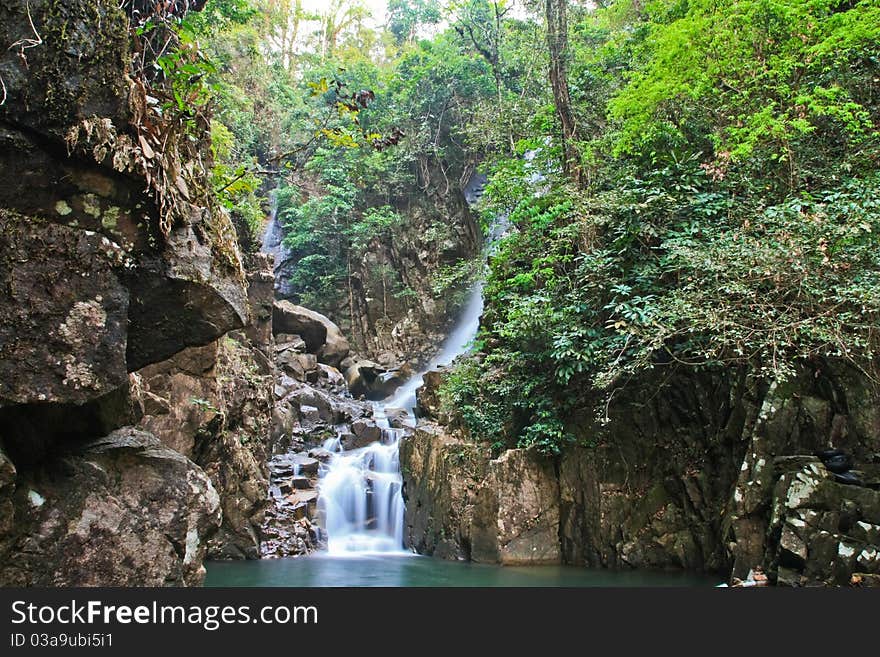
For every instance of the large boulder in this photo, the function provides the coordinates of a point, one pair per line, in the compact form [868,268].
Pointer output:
[360,376]
[107,267]
[288,318]
[374,381]
[123,510]
[322,337]
[336,347]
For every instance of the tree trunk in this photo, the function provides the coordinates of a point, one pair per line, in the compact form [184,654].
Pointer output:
[557,44]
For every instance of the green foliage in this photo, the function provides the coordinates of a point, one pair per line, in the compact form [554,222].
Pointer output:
[730,216]
[773,76]
[405,17]
[458,276]
[236,186]
[326,232]
[221,16]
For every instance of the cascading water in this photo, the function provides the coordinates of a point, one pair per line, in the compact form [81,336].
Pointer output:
[273,243]
[360,490]
[360,498]
[274,233]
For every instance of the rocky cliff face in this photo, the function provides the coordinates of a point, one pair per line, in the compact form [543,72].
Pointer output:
[394,330]
[438,229]
[700,472]
[113,258]
[213,404]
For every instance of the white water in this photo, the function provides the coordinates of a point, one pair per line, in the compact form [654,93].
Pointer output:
[360,491]
[360,496]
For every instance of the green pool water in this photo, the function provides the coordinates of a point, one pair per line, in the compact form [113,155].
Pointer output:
[401,570]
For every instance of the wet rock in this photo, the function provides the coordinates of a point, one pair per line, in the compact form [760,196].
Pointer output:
[332,409]
[117,264]
[283,422]
[219,406]
[654,490]
[361,375]
[348,440]
[307,465]
[124,510]
[105,286]
[309,415]
[33,432]
[365,432]
[86,80]
[289,533]
[235,458]
[283,466]
[321,336]
[388,382]
[304,497]
[374,381]
[428,395]
[398,418]
[320,454]
[169,312]
[621,503]
[301,483]
[865,580]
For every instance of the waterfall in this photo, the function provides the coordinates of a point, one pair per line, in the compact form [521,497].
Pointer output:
[361,499]
[360,495]
[273,243]
[360,490]
[274,233]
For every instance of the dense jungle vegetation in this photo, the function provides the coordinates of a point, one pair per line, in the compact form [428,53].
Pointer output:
[690,183]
